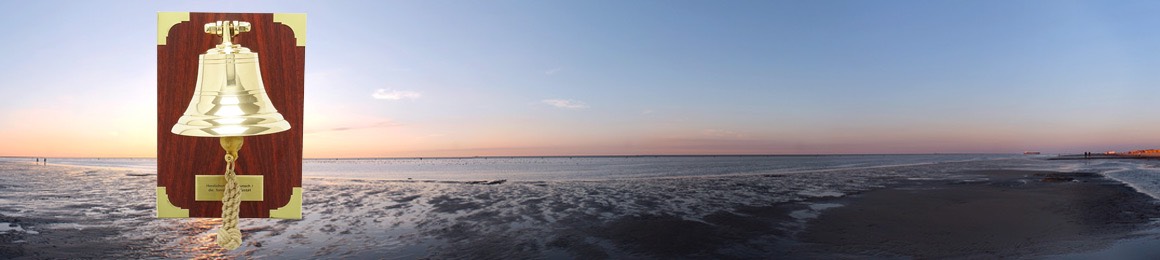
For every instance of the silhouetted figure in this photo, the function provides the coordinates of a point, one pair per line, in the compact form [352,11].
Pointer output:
[37,160]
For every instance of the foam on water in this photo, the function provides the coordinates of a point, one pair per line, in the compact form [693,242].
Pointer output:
[1141,175]
[10,227]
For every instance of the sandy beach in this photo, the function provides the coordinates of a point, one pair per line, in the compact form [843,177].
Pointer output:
[967,209]
[1004,214]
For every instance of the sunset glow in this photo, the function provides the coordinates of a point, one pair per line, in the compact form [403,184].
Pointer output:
[528,78]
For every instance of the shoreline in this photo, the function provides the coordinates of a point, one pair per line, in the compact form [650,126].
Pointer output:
[1006,213]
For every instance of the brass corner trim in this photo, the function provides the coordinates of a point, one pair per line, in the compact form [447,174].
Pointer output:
[166,21]
[166,209]
[296,22]
[293,208]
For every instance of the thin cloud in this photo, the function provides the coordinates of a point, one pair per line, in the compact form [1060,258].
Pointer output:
[387,123]
[565,104]
[395,94]
[718,133]
[552,71]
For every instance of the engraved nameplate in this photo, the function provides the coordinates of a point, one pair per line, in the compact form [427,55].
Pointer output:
[211,187]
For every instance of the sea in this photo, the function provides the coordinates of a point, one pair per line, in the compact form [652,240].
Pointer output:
[1144,175]
[561,168]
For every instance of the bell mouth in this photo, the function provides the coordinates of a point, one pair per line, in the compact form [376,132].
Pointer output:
[212,126]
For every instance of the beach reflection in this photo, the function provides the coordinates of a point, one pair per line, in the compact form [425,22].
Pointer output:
[200,243]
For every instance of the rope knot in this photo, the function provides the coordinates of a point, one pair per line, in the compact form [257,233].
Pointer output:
[229,237]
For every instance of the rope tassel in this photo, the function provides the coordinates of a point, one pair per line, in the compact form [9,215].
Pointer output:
[229,237]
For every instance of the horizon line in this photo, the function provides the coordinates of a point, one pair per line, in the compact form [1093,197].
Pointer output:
[545,156]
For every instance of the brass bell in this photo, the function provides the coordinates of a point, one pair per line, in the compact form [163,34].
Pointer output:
[229,98]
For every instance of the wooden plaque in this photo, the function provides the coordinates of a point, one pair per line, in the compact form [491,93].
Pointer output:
[279,40]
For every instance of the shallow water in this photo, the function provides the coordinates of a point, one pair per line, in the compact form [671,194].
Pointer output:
[575,168]
[107,211]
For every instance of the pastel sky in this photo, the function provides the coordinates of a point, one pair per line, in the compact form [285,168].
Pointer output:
[480,78]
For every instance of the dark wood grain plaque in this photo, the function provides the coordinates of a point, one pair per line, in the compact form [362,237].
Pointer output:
[279,40]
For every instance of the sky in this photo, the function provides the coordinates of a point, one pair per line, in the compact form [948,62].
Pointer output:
[528,78]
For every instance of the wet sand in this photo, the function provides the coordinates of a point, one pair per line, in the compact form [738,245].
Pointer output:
[1003,214]
[74,212]
[62,212]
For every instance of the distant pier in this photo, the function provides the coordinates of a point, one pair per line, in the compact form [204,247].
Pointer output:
[1104,156]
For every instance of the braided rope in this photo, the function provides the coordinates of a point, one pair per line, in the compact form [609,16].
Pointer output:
[229,237]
